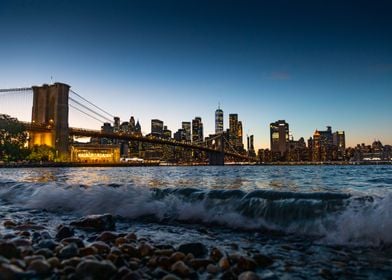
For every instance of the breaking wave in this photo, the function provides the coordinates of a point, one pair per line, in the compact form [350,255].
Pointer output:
[334,218]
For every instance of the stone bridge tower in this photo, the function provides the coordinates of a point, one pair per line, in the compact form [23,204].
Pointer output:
[50,109]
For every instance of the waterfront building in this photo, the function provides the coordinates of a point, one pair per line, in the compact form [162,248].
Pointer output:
[156,128]
[166,132]
[218,121]
[339,141]
[116,124]
[279,137]
[197,130]
[186,126]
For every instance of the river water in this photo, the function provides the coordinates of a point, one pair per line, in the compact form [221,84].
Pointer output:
[314,221]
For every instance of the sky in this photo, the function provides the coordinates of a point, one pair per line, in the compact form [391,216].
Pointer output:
[311,63]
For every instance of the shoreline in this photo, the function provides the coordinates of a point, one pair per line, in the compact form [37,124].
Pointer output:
[147,164]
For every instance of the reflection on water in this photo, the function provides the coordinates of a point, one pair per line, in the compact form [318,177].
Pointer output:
[278,178]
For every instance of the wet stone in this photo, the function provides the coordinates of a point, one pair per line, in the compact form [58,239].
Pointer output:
[48,244]
[196,248]
[199,263]
[89,269]
[10,271]
[88,251]
[69,251]
[64,232]
[177,256]
[212,269]
[79,242]
[248,275]
[145,249]
[181,269]
[245,263]
[54,262]
[170,277]
[17,241]
[131,236]
[224,263]
[96,222]
[9,224]
[9,250]
[71,262]
[216,254]
[107,236]
[130,250]
[44,252]
[228,275]
[41,267]
[101,247]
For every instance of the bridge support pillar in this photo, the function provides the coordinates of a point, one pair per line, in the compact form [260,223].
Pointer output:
[216,158]
[50,109]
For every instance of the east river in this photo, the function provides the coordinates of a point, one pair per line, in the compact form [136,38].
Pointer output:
[312,222]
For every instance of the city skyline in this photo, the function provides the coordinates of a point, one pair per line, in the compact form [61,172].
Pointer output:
[310,64]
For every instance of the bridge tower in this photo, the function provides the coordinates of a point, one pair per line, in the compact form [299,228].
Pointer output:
[50,109]
[218,157]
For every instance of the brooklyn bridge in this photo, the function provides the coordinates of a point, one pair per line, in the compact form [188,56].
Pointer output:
[49,125]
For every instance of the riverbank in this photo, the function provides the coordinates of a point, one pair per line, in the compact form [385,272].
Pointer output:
[90,247]
[157,163]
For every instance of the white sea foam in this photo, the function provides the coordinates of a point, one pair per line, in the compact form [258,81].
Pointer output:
[357,221]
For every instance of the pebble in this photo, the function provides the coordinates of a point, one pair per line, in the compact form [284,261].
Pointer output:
[212,269]
[41,267]
[263,260]
[107,236]
[216,254]
[9,250]
[79,242]
[177,256]
[248,275]
[95,270]
[245,263]
[196,248]
[88,251]
[224,263]
[101,247]
[9,224]
[64,232]
[180,268]
[10,271]
[96,222]
[145,249]
[69,251]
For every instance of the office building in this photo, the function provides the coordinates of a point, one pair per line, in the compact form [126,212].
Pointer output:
[156,128]
[218,121]
[279,137]
[186,126]
[197,130]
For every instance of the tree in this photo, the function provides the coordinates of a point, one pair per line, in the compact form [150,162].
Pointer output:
[13,139]
[42,153]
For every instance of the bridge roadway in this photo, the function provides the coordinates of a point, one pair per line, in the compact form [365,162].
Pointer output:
[129,137]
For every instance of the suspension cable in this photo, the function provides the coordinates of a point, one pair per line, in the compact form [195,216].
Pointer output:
[70,105]
[91,110]
[84,99]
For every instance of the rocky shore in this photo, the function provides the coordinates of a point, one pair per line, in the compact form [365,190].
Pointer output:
[91,248]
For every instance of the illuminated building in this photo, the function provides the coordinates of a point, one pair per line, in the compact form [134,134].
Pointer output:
[156,128]
[339,141]
[218,121]
[240,144]
[233,129]
[116,124]
[279,137]
[88,153]
[180,135]
[197,130]
[186,126]
[323,145]
[166,133]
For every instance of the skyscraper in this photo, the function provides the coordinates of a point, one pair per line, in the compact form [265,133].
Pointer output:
[197,130]
[240,144]
[218,121]
[186,126]
[157,127]
[279,136]
[233,129]
[339,140]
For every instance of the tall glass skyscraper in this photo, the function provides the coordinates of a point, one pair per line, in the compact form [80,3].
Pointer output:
[218,121]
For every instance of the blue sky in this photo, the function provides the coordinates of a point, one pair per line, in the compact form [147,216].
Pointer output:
[312,63]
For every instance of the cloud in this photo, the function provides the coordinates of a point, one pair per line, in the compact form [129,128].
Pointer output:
[279,75]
